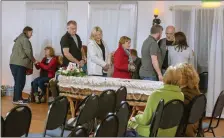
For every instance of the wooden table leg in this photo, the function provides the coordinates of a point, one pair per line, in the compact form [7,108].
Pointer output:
[133,111]
[72,107]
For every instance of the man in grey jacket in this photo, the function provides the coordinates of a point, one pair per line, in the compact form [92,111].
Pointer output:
[21,60]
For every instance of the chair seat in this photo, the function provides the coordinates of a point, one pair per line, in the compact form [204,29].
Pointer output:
[205,125]
[57,133]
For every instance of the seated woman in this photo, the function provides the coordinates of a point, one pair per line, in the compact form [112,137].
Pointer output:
[190,89]
[48,68]
[123,62]
[84,57]
[137,62]
[168,92]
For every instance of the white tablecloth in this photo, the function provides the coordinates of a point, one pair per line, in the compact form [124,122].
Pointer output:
[102,83]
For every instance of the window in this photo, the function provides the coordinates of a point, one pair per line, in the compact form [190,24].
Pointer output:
[116,19]
[48,20]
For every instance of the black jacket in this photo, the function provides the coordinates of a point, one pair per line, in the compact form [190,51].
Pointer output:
[68,42]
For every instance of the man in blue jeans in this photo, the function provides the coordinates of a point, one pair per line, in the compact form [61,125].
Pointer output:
[152,56]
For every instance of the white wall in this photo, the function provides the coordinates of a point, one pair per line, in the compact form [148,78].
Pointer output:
[14,20]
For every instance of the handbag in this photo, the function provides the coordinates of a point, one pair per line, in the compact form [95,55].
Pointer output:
[29,71]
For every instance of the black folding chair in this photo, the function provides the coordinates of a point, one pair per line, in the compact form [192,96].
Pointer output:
[56,118]
[195,112]
[121,95]
[203,84]
[17,122]
[108,127]
[2,125]
[107,104]
[216,114]
[79,131]
[87,114]
[156,119]
[172,114]
[123,114]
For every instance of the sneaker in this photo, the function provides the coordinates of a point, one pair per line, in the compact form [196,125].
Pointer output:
[37,99]
[19,102]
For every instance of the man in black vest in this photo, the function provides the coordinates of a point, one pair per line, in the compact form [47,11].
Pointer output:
[71,45]
[164,44]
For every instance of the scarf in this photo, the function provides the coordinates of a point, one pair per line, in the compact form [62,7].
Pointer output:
[127,51]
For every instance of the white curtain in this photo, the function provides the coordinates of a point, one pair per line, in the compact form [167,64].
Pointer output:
[216,60]
[204,30]
[116,19]
[48,20]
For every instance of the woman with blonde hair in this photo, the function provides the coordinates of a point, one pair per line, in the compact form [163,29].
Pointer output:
[169,91]
[97,54]
[123,62]
[190,89]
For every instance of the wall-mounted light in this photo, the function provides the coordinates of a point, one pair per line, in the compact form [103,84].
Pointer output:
[211,3]
[156,20]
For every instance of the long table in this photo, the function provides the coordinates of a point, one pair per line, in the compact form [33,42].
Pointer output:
[80,87]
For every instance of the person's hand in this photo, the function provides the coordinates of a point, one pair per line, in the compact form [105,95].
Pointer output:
[81,63]
[133,119]
[36,62]
[131,67]
[160,78]
[106,67]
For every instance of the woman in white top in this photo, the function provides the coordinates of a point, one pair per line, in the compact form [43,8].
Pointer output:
[180,52]
[97,52]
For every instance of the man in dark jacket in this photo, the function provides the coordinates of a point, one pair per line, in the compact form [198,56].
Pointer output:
[71,45]
[164,44]
[137,62]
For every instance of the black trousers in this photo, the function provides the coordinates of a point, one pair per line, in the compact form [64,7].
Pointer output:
[19,75]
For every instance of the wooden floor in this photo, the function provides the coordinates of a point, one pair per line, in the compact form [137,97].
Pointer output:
[39,112]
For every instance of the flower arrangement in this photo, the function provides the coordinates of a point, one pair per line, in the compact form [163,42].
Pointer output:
[72,70]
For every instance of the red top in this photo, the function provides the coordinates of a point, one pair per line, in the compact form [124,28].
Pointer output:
[121,64]
[50,68]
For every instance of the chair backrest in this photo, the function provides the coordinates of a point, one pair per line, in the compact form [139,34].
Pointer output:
[156,119]
[203,84]
[123,114]
[107,103]
[17,122]
[57,114]
[121,95]
[79,131]
[196,109]
[172,114]
[108,127]
[2,125]
[218,108]
[88,113]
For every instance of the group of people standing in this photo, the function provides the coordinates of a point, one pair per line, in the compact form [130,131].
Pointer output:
[98,60]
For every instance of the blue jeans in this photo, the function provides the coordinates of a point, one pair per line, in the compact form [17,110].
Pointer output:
[19,75]
[153,78]
[40,82]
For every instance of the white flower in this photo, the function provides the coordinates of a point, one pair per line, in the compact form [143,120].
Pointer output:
[65,71]
[77,70]
[81,69]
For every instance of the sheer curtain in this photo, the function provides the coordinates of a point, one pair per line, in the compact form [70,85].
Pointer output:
[204,31]
[48,20]
[116,19]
